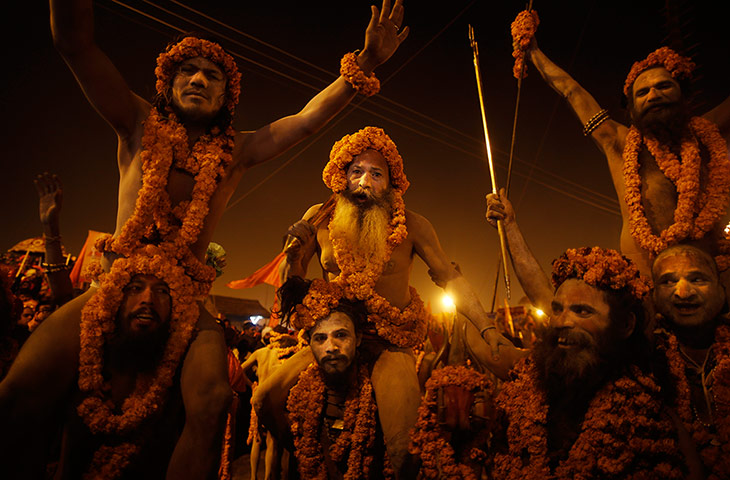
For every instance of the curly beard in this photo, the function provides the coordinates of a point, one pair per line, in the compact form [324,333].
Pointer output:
[364,225]
[668,125]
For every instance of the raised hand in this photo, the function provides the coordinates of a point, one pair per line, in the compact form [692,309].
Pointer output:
[499,208]
[50,196]
[301,234]
[382,37]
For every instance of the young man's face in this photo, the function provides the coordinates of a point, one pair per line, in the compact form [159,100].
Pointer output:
[198,89]
[29,310]
[687,291]
[367,177]
[334,343]
[146,306]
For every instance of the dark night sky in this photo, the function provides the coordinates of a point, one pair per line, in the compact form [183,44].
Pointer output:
[561,185]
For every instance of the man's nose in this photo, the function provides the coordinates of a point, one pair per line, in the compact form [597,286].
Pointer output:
[146,296]
[561,320]
[683,289]
[330,346]
[199,79]
[366,180]
[653,94]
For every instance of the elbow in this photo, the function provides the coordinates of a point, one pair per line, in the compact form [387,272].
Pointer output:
[207,412]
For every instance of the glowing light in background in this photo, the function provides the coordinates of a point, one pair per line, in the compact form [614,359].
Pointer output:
[448,302]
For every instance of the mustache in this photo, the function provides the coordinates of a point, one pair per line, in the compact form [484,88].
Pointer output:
[146,311]
[334,357]
[550,336]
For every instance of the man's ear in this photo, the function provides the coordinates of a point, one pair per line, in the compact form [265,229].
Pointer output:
[358,337]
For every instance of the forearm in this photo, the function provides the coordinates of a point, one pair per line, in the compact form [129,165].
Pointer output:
[533,279]
[582,103]
[58,276]
[467,303]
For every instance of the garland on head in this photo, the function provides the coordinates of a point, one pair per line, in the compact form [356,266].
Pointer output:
[679,67]
[306,404]
[98,324]
[191,47]
[623,434]
[523,30]
[698,209]
[601,268]
[369,138]
[713,447]
[428,439]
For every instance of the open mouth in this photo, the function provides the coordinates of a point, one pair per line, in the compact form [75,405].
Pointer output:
[144,319]
[687,308]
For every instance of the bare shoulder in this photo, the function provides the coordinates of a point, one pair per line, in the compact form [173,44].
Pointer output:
[418,225]
[207,323]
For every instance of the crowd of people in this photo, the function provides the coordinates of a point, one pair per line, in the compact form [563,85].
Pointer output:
[133,377]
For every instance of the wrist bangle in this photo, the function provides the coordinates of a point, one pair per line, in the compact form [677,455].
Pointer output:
[595,121]
[54,267]
[354,75]
[51,238]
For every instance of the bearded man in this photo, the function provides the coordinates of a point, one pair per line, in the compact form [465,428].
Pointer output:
[366,241]
[122,418]
[179,163]
[694,335]
[661,203]
[331,410]
[582,405]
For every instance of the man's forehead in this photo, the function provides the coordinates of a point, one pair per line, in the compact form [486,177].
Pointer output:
[202,63]
[682,262]
[652,75]
[335,321]
[371,158]
[574,291]
[143,278]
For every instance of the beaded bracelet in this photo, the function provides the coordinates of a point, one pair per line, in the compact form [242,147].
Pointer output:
[595,121]
[354,75]
[54,267]
[488,327]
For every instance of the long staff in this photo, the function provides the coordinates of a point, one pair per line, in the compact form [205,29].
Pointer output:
[500,227]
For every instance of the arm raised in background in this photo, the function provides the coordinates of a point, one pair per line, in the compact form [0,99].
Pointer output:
[72,27]
[608,133]
[446,275]
[533,279]
[382,39]
[50,198]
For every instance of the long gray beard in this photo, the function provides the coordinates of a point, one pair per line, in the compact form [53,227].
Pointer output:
[364,229]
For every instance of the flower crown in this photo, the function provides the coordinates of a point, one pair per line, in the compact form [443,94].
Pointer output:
[677,65]
[322,297]
[335,172]
[191,47]
[602,268]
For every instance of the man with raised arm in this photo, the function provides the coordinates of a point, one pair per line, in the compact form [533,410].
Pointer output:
[179,163]
[366,242]
[670,170]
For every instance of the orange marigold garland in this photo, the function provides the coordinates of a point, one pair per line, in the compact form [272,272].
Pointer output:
[523,30]
[623,434]
[366,85]
[698,209]
[98,324]
[713,447]
[602,268]
[343,151]
[677,65]
[429,441]
[306,407]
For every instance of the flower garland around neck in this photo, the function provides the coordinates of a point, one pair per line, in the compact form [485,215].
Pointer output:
[165,140]
[714,448]
[428,439]
[523,30]
[698,209]
[306,404]
[98,324]
[623,432]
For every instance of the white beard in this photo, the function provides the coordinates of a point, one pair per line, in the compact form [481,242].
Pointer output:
[364,230]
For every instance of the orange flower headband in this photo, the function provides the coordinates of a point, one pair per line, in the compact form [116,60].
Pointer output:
[321,298]
[374,138]
[602,268]
[191,47]
[678,66]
